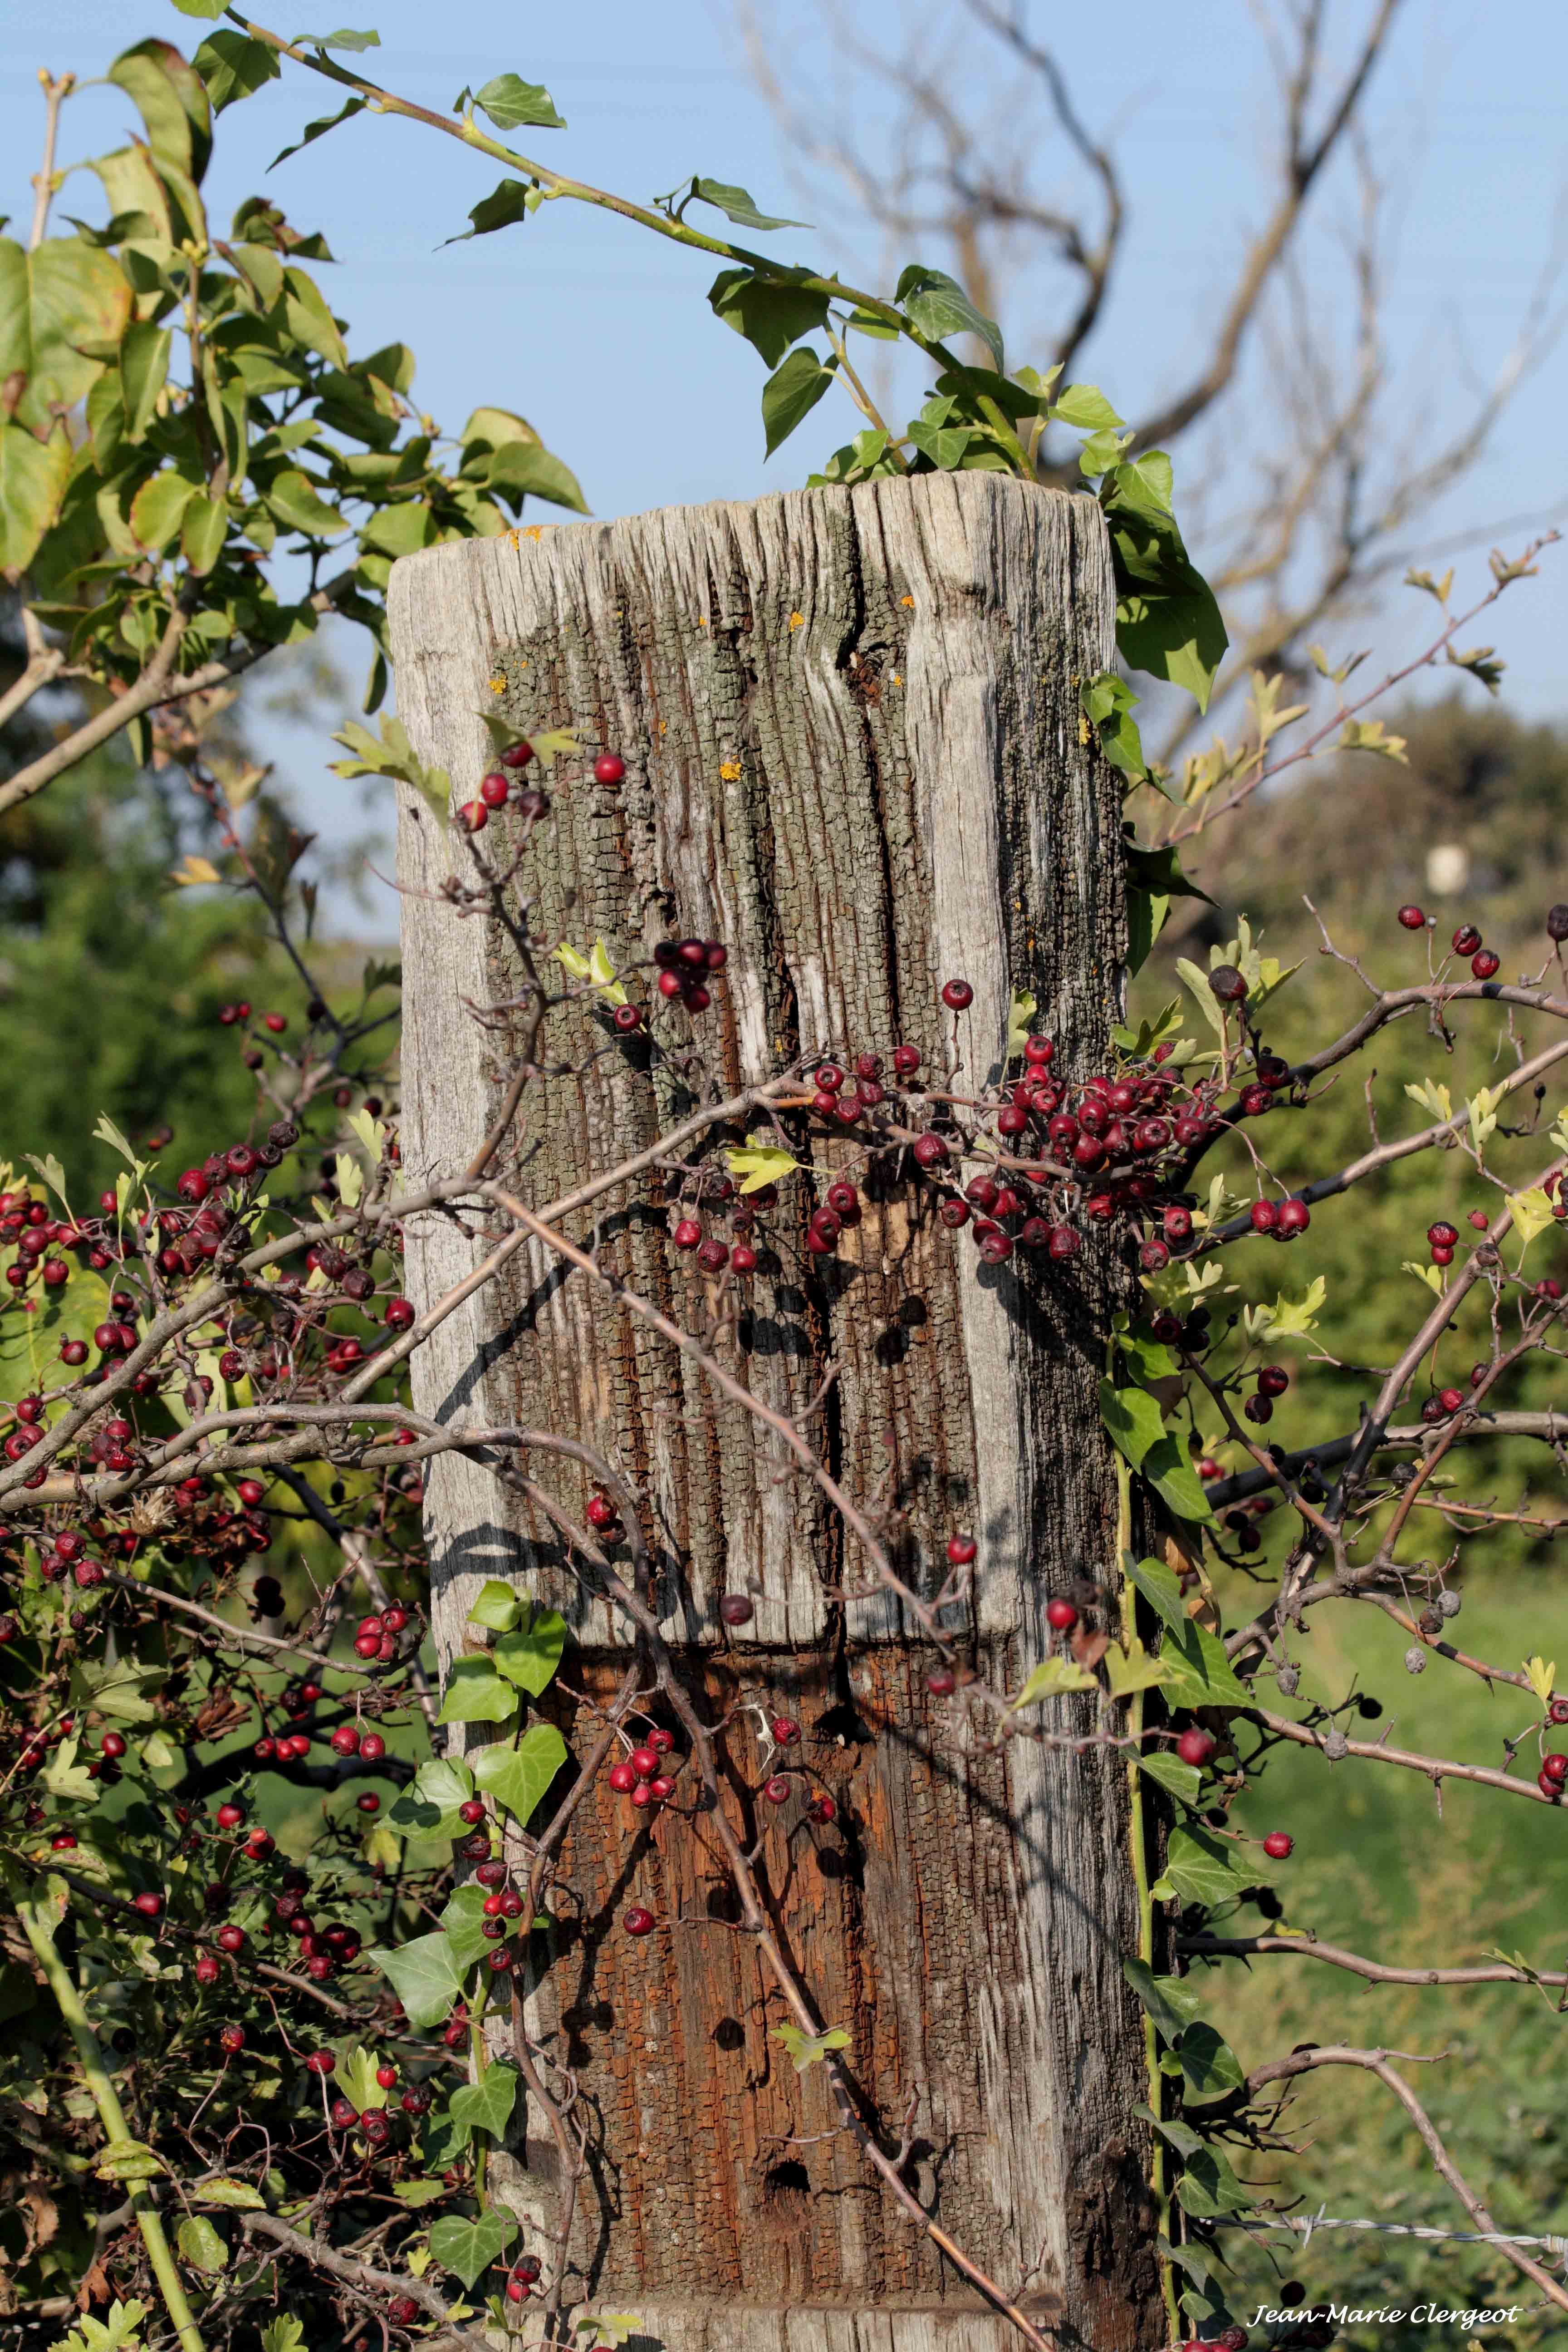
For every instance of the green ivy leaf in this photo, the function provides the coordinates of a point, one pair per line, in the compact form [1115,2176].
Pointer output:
[1210,2067]
[487,2104]
[1085,407]
[1175,1480]
[232,64]
[790,394]
[424,1975]
[506,205]
[468,2249]
[1208,2187]
[936,306]
[463,1921]
[475,1693]
[1133,1420]
[1172,2002]
[429,1809]
[529,1654]
[736,205]
[510,102]
[496,1605]
[517,1777]
[1183,1780]
[770,315]
[1201,1869]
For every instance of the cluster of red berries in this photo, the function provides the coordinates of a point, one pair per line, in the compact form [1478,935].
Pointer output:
[495,789]
[1272,1380]
[646,1774]
[235,1016]
[1552,1776]
[522,2277]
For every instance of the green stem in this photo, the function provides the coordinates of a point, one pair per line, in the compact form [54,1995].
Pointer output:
[1139,1850]
[481,2058]
[39,1929]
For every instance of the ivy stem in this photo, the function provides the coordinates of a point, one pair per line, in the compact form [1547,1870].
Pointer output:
[556,183]
[1140,1855]
[39,1929]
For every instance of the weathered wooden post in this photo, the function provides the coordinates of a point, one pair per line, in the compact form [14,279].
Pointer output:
[853,748]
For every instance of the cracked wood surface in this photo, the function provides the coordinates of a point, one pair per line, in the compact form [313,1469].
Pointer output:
[853,749]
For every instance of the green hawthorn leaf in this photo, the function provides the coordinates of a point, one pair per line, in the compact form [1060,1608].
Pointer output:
[292,496]
[810,2049]
[526,469]
[356,2079]
[519,1777]
[528,1654]
[770,315]
[58,306]
[172,99]
[468,2249]
[1172,2001]
[204,527]
[424,1975]
[1132,1670]
[34,478]
[238,2194]
[419,2192]
[936,306]
[790,394]
[200,2244]
[487,2104]
[284,2333]
[344,40]
[143,369]
[159,507]
[475,1693]
[232,64]
[1052,1677]
[736,205]
[510,102]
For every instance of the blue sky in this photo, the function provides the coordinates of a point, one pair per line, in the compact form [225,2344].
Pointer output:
[601,335]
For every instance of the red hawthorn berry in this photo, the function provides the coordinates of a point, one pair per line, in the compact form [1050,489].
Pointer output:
[1061,1616]
[960,1550]
[1485,965]
[1413,918]
[1555,1766]
[517,755]
[1196,1746]
[785,1730]
[494,789]
[1277,1845]
[823,1809]
[957,995]
[609,768]
[941,1682]
[150,1905]
[1265,1216]
[639,1921]
[1467,939]
[736,1608]
[906,1060]
[1294,1218]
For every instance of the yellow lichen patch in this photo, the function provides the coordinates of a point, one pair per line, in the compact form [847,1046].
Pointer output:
[730,771]
[896,680]
[702,620]
[497,686]
[909,601]
[534,530]
[797,620]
